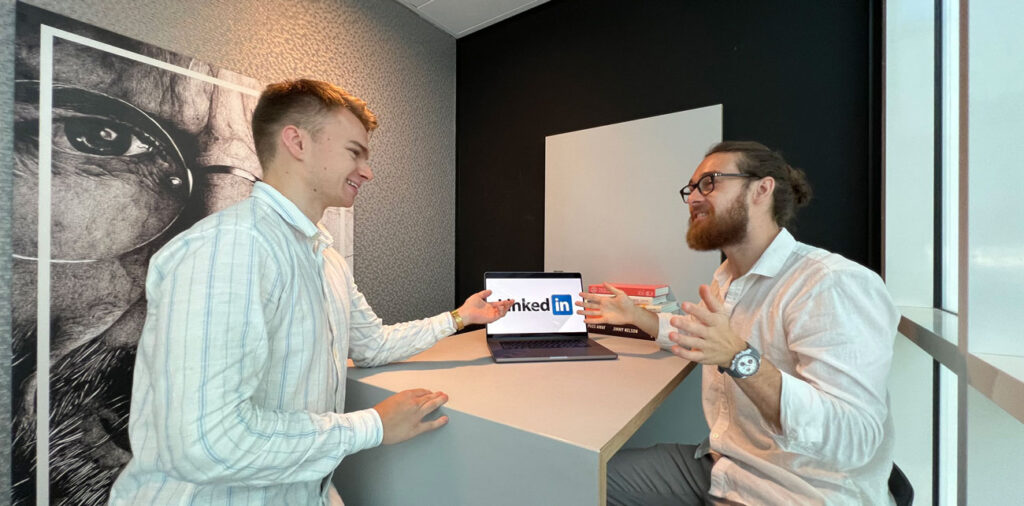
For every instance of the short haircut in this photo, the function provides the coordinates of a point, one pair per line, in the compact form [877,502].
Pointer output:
[791,188]
[303,103]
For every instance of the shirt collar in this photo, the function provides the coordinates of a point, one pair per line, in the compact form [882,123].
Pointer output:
[775,256]
[290,212]
[324,236]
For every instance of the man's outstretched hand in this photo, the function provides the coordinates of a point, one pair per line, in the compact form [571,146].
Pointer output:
[402,414]
[707,337]
[616,309]
[477,310]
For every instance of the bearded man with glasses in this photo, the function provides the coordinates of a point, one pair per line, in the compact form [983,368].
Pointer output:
[796,344]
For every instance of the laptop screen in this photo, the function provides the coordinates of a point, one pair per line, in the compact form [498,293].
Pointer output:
[544,303]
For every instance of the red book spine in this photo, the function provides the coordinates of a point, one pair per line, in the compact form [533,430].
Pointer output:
[635,290]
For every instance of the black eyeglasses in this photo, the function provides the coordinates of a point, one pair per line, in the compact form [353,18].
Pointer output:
[706,184]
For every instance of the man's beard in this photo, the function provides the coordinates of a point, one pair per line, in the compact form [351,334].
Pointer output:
[715,232]
[89,400]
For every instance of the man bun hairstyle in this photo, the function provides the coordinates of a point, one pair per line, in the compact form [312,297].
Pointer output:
[303,103]
[791,188]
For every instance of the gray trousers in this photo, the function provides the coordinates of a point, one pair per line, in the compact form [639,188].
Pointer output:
[665,474]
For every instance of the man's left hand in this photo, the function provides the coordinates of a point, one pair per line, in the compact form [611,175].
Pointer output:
[706,338]
[478,310]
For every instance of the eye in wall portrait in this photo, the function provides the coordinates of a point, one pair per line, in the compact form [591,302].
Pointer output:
[119,146]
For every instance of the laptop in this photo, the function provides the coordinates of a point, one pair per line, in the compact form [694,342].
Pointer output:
[542,323]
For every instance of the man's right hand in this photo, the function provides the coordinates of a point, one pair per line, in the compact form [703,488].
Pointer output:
[618,309]
[402,414]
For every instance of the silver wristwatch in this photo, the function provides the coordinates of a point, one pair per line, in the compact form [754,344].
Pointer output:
[744,364]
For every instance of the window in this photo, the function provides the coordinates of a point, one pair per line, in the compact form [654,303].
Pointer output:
[954,247]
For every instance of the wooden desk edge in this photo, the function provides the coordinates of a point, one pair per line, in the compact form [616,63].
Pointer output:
[615,443]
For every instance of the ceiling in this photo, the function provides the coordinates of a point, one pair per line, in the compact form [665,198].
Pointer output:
[463,17]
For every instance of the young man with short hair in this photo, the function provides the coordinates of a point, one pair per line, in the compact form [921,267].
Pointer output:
[240,375]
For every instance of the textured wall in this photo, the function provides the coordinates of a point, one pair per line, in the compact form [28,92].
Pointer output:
[377,49]
[6,177]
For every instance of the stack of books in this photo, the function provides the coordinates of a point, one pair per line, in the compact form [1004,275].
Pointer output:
[655,298]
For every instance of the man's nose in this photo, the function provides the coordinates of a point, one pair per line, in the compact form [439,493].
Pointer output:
[366,171]
[696,197]
[226,141]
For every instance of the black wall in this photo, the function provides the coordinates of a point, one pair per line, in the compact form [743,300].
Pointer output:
[801,77]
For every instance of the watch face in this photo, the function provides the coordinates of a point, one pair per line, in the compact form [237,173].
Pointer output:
[746,365]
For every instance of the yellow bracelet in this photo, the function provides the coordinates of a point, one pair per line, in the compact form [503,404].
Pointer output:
[459,324]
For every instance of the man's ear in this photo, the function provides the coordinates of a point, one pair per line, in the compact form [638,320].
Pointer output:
[764,189]
[294,141]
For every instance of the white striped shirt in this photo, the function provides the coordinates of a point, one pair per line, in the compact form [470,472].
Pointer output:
[240,371]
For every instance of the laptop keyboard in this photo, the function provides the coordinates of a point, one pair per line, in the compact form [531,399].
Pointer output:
[561,343]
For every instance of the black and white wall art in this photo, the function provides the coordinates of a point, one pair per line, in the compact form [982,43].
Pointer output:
[119,146]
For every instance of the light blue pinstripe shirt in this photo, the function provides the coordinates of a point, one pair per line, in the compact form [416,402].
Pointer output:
[241,365]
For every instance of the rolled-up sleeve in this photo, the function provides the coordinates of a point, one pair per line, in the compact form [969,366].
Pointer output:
[841,330]
[664,327]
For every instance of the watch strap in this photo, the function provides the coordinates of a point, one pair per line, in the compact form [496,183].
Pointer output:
[731,370]
[459,324]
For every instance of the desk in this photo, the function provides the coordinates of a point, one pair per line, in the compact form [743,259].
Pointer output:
[522,433]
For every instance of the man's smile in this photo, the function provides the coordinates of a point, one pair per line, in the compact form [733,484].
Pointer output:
[699,214]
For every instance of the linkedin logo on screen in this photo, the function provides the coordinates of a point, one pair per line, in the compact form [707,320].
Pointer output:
[557,304]
[561,304]
[545,305]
